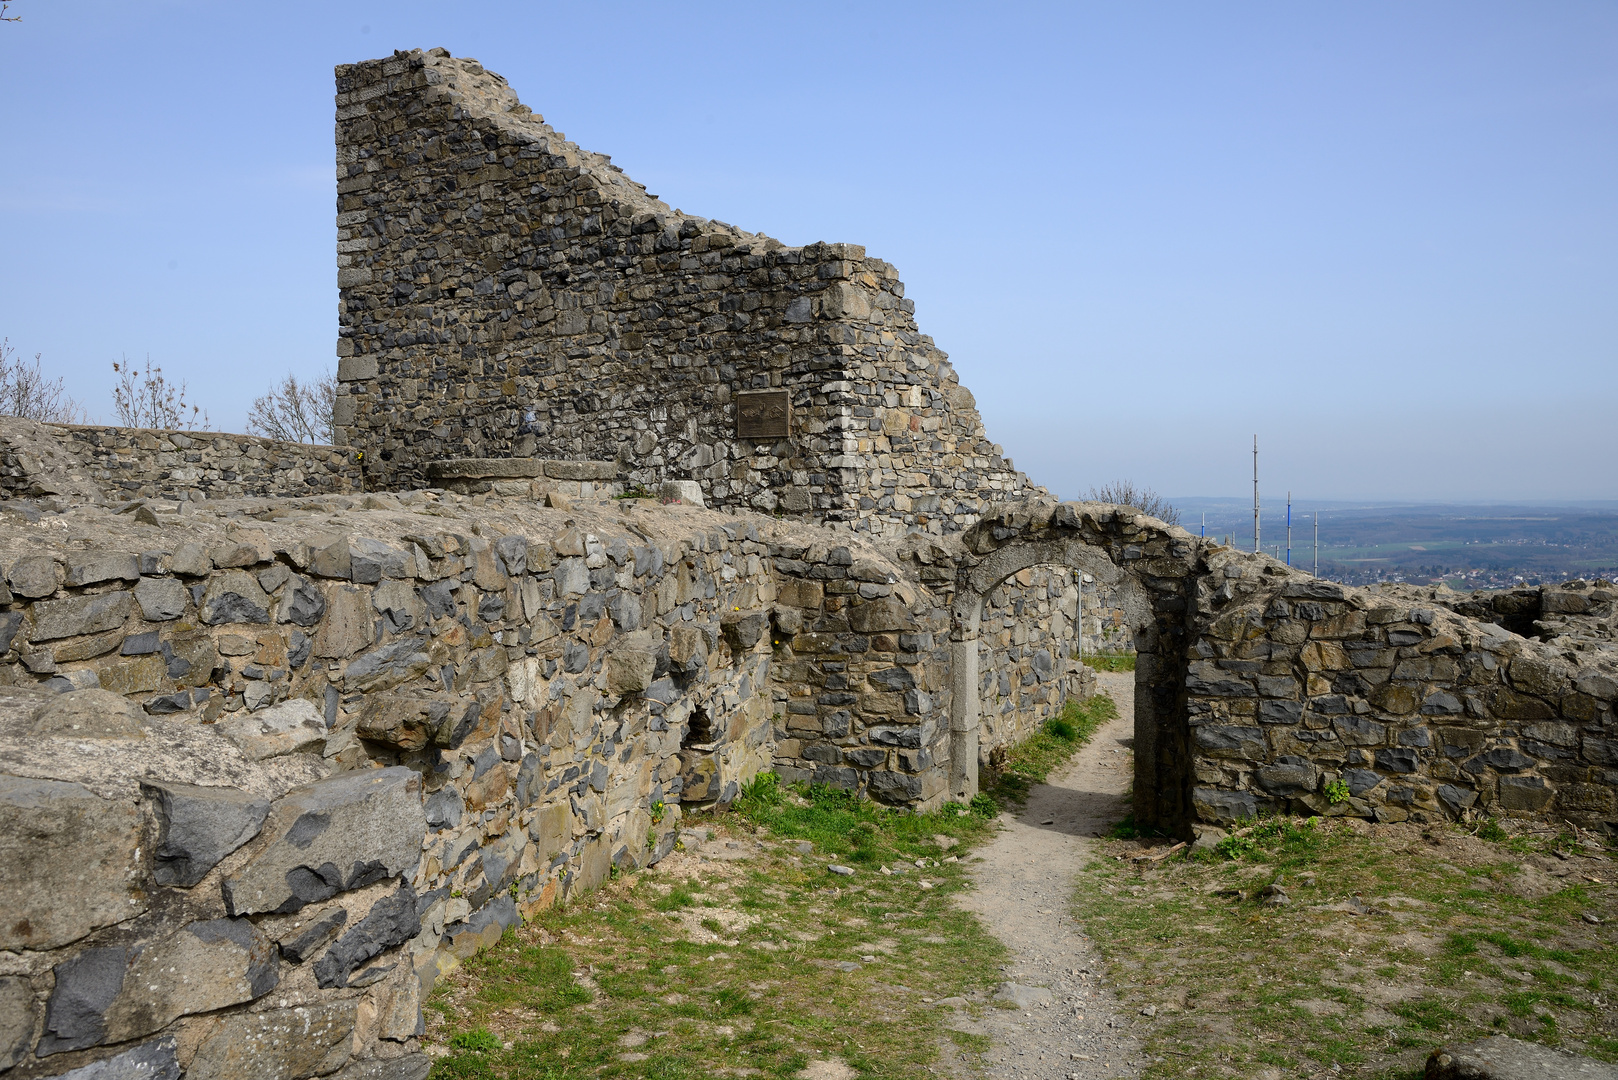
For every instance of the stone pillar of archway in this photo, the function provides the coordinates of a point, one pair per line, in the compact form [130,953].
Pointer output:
[963,713]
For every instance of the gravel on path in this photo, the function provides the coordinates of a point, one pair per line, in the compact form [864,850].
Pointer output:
[1066,1023]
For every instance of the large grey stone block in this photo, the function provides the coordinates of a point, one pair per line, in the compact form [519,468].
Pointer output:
[94,567]
[156,1060]
[280,1044]
[33,576]
[1503,1058]
[330,836]
[117,993]
[161,599]
[291,727]
[75,615]
[198,826]
[61,840]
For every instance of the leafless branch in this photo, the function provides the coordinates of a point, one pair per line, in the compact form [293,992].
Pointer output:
[294,411]
[26,392]
[1147,501]
[145,399]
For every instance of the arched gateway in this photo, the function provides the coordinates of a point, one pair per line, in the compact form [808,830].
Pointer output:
[1154,567]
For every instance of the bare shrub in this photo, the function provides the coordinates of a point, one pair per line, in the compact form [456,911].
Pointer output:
[1147,501]
[145,399]
[26,392]
[295,411]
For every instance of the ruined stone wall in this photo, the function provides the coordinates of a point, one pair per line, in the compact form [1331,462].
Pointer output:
[507,294]
[542,691]
[122,464]
[1027,638]
[1421,713]
[1261,689]
[1105,623]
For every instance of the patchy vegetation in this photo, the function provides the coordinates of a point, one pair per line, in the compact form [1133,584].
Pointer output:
[744,951]
[1300,945]
[741,952]
[1033,760]
[1109,661]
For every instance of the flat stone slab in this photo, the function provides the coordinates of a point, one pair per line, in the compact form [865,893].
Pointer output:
[330,836]
[1503,1058]
[59,841]
[520,469]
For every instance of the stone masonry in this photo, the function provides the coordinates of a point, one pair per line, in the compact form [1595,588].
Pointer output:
[276,751]
[505,294]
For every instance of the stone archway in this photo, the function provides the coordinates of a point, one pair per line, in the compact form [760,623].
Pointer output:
[1155,567]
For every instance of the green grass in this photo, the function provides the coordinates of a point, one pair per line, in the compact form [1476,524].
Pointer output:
[556,999]
[1457,946]
[1109,661]
[648,960]
[1031,761]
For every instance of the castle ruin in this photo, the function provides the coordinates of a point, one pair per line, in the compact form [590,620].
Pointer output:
[312,725]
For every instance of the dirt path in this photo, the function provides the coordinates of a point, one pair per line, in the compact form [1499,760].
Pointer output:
[1067,1025]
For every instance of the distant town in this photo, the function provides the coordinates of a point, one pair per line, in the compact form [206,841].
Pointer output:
[1467,547]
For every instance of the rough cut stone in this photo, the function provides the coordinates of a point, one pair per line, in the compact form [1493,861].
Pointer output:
[234,596]
[16,1020]
[77,615]
[331,836]
[89,714]
[161,599]
[198,826]
[61,840]
[94,567]
[391,921]
[279,1044]
[118,993]
[33,576]
[156,1060]
[291,727]
[1504,1058]
[312,936]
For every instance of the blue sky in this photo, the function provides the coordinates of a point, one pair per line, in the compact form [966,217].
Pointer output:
[1382,236]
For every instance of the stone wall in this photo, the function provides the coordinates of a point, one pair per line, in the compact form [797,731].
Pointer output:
[543,690]
[505,294]
[1421,713]
[122,464]
[1262,689]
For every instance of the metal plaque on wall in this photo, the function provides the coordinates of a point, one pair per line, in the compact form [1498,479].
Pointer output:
[765,414]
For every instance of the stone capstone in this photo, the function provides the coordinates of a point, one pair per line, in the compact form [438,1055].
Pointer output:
[330,836]
[59,840]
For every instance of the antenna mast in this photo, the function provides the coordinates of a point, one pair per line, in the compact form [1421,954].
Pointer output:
[1289,528]
[1255,494]
[1315,570]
